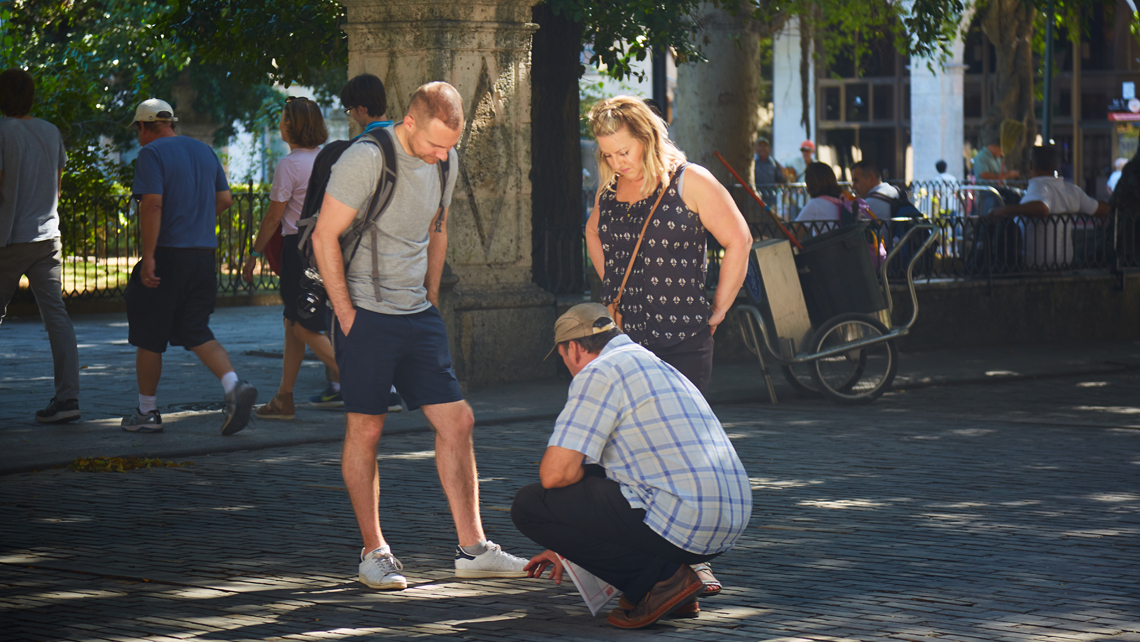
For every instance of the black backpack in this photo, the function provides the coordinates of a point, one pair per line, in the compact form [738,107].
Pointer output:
[901,206]
[904,214]
[381,197]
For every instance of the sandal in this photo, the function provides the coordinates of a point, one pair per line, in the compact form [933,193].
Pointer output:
[279,407]
[712,585]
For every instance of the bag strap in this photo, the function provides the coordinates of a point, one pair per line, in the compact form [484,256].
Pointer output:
[381,198]
[633,257]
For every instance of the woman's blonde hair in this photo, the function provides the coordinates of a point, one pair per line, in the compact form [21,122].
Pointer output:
[660,156]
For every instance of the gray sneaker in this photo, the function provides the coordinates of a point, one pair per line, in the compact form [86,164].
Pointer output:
[381,571]
[142,422]
[239,403]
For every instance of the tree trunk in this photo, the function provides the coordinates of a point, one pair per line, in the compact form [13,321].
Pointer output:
[556,156]
[718,102]
[1009,26]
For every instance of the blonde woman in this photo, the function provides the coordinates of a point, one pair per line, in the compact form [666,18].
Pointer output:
[664,305]
[303,129]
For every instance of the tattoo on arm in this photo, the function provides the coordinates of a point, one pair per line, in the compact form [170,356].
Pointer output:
[439,221]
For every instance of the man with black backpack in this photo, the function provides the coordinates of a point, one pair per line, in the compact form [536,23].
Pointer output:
[382,279]
[894,212]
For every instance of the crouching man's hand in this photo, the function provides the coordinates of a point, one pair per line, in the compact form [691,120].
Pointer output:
[539,563]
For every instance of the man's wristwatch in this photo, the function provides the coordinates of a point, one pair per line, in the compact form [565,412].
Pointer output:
[254,253]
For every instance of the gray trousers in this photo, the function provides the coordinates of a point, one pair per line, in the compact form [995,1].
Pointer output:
[42,262]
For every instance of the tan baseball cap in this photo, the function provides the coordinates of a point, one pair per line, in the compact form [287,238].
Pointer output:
[153,110]
[582,320]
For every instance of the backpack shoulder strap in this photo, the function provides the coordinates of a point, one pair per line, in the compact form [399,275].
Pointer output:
[444,170]
[381,199]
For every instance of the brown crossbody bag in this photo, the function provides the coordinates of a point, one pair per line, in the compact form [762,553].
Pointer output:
[614,308]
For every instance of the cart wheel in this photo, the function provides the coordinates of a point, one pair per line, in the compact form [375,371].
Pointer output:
[799,375]
[800,378]
[859,375]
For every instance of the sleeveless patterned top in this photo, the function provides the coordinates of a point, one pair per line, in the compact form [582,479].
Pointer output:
[664,301]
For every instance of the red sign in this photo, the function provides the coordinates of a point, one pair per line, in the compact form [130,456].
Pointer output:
[1123,116]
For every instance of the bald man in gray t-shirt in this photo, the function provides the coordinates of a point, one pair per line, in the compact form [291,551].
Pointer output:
[402,231]
[387,329]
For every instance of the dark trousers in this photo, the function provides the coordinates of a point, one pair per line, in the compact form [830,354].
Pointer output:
[591,524]
[693,357]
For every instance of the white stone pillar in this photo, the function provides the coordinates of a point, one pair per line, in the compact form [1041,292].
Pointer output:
[502,324]
[788,128]
[937,130]
[936,115]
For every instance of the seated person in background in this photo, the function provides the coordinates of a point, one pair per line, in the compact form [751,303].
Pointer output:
[943,176]
[827,203]
[987,163]
[867,185]
[639,479]
[1048,243]
[1114,177]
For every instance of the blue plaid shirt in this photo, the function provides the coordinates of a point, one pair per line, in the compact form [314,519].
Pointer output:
[654,433]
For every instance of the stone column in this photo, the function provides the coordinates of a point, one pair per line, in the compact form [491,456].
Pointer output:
[717,103]
[789,92]
[936,115]
[501,324]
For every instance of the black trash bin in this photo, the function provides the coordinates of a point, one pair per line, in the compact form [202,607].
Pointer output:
[837,276]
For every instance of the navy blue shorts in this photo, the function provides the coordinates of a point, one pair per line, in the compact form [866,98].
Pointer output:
[409,351]
[178,310]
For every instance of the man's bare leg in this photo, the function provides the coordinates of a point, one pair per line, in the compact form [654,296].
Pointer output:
[361,476]
[148,370]
[454,425]
[214,356]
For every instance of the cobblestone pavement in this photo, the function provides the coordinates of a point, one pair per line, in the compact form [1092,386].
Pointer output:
[972,512]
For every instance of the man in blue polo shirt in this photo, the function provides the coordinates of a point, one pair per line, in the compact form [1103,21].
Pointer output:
[181,189]
[639,479]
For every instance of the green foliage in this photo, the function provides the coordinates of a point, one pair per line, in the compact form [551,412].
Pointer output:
[94,61]
[843,28]
[279,41]
[91,61]
[620,32]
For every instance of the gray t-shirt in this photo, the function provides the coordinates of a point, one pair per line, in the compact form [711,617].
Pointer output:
[31,156]
[402,231]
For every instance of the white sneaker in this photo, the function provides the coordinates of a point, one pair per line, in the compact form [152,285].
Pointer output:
[493,563]
[381,571]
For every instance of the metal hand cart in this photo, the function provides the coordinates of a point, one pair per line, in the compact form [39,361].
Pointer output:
[848,356]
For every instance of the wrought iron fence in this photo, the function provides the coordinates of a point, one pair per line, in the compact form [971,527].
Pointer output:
[101,246]
[972,243]
[100,237]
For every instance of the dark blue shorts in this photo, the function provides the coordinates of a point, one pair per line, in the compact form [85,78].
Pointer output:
[409,351]
[178,310]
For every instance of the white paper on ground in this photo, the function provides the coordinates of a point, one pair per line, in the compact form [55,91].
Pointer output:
[594,591]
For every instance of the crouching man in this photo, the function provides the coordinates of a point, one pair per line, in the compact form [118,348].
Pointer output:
[639,479]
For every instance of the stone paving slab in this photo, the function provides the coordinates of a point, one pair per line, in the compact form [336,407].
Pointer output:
[904,520]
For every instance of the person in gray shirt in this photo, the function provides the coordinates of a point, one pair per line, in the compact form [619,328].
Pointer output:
[31,174]
[387,329]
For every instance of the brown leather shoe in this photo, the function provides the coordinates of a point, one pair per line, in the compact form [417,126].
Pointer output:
[690,609]
[665,597]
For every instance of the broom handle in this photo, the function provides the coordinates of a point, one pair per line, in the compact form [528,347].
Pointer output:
[761,202]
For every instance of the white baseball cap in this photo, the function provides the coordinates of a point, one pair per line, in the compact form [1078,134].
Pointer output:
[154,110]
